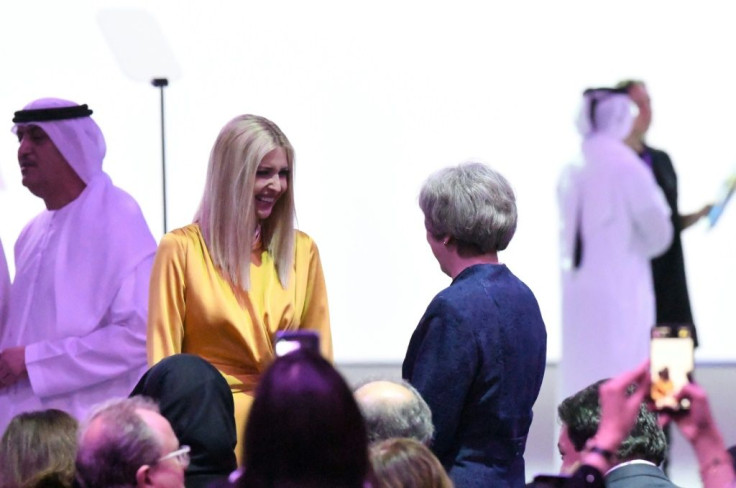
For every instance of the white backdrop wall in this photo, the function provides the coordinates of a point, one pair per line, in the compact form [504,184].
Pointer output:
[375,96]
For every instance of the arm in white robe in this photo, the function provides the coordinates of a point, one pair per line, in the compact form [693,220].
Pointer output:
[648,210]
[115,347]
[4,285]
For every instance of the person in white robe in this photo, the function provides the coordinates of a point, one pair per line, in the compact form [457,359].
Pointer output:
[75,329]
[4,283]
[614,220]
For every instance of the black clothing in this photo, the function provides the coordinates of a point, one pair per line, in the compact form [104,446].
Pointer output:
[196,400]
[668,270]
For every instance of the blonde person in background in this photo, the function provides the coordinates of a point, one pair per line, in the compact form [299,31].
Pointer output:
[222,286]
[406,463]
[37,450]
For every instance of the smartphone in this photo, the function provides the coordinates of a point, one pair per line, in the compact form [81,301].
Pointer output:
[287,341]
[671,365]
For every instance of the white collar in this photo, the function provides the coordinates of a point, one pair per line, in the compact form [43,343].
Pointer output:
[628,463]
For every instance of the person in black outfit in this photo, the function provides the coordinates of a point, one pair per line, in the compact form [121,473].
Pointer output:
[668,270]
[196,400]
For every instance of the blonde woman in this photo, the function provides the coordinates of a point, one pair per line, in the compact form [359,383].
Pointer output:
[222,286]
[38,449]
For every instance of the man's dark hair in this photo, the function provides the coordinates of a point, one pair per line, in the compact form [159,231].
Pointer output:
[581,414]
[628,84]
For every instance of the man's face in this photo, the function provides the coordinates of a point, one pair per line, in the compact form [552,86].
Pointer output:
[42,166]
[168,473]
[639,95]
[570,457]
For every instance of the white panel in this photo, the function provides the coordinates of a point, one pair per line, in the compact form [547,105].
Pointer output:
[375,96]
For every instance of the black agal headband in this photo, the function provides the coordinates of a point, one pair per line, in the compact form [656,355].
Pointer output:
[597,95]
[49,114]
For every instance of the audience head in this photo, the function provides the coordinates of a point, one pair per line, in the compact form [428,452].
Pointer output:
[304,428]
[238,197]
[637,91]
[394,409]
[406,463]
[605,111]
[580,415]
[127,443]
[37,449]
[471,204]
[196,400]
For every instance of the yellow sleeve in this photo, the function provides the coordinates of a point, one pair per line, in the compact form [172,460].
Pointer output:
[316,314]
[166,305]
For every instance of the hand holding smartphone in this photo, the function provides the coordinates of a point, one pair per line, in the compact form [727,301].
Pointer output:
[671,365]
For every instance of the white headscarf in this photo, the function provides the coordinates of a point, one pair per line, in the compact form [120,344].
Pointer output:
[612,115]
[79,140]
[104,236]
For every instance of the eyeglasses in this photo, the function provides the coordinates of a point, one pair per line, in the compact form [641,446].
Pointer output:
[181,455]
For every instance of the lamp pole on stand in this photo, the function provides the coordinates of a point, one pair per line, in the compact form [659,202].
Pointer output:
[162,83]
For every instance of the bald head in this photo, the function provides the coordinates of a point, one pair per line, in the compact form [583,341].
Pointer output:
[160,427]
[383,391]
[394,409]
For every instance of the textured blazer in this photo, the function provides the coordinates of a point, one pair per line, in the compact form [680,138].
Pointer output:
[478,357]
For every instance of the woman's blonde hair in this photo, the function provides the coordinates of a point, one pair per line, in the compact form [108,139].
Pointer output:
[406,463]
[38,449]
[227,213]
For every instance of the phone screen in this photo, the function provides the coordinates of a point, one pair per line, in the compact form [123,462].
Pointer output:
[290,341]
[672,364]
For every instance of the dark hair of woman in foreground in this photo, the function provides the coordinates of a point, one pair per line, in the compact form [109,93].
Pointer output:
[305,428]
[406,463]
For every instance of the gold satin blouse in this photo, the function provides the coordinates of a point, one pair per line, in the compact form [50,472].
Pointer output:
[194,309]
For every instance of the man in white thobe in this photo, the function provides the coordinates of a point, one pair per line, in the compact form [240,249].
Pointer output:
[4,283]
[614,220]
[75,328]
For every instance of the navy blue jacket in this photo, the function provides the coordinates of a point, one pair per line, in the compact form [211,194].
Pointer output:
[478,358]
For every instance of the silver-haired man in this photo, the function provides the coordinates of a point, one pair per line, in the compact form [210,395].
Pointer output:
[394,409]
[128,444]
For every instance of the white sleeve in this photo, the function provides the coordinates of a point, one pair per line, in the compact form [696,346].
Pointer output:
[648,210]
[568,199]
[4,285]
[115,347]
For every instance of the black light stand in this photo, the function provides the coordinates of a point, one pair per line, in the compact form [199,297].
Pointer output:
[161,83]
